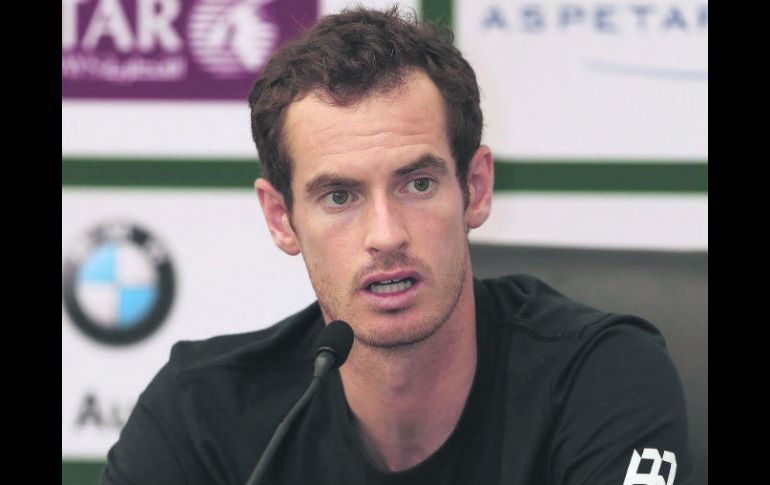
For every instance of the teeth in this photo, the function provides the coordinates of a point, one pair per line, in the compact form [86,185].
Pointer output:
[387,282]
[391,287]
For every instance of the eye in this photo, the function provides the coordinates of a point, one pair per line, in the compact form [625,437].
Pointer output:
[337,198]
[422,184]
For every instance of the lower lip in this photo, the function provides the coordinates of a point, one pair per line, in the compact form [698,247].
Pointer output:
[392,301]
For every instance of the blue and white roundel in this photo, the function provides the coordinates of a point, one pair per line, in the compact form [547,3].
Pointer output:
[118,286]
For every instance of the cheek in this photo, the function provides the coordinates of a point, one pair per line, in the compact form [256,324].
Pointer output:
[327,247]
[333,237]
[440,229]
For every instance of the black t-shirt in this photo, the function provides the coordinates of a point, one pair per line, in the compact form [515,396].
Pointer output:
[563,394]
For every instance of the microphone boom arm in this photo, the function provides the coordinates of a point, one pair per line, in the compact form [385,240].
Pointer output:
[281,431]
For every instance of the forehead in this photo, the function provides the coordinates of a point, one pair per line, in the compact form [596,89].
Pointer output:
[394,126]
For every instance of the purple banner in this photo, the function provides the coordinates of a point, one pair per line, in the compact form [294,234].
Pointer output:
[173,49]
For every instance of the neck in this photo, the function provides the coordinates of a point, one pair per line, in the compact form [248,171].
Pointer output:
[406,402]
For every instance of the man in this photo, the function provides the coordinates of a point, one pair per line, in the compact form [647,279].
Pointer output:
[368,127]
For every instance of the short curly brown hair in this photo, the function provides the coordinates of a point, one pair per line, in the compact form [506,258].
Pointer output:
[351,55]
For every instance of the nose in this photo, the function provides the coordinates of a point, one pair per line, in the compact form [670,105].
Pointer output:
[386,230]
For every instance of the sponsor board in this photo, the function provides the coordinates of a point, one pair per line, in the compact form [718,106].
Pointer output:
[118,283]
[581,80]
[173,49]
[95,411]
[228,278]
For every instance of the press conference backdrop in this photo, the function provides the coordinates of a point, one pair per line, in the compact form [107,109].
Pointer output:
[597,115]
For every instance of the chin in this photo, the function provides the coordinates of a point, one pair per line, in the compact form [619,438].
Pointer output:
[397,333]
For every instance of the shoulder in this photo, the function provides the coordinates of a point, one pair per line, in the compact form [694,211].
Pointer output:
[535,307]
[198,371]
[616,394]
[565,342]
[600,384]
[207,392]
[280,345]
[556,325]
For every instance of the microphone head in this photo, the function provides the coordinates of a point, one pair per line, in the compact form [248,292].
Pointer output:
[336,338]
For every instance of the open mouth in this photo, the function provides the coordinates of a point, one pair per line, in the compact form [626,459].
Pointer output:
[391,286]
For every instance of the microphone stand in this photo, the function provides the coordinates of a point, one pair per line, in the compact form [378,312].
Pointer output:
[323,363]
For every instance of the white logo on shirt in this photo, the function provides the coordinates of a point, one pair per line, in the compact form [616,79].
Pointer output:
[634,477]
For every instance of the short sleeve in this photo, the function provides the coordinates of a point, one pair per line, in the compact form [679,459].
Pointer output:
[146,451]
[619,411]
[142,455]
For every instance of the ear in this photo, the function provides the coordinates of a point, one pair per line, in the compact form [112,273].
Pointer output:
[276,216]
[481,181]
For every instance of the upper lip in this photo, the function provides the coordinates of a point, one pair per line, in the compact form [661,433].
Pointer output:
[393,275]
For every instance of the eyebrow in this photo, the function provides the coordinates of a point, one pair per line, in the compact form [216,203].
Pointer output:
[425,161]
[325,181]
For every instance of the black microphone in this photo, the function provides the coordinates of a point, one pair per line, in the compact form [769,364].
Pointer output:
[333,347]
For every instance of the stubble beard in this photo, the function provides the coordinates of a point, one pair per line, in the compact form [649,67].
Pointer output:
[406,334]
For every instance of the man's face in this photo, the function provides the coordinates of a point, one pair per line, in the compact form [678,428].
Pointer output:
[378,212]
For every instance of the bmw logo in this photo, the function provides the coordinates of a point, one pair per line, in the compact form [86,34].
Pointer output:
[118,283]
